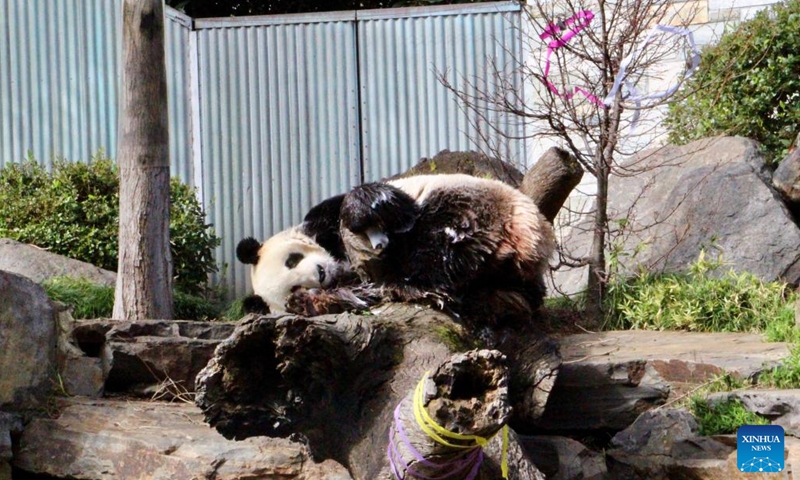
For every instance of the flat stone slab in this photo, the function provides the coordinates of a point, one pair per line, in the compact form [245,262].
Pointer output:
[608,378]
[677,356]
[130,440]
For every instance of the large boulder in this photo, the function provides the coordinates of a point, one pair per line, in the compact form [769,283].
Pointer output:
[27,343]
[712,194]
[128,440]
[40,265]
[787,178]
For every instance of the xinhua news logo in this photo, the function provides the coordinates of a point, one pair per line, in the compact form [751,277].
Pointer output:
[759,448]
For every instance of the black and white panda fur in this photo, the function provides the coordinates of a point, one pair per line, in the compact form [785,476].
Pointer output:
[477,244]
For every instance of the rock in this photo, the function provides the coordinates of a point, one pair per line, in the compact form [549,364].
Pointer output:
[81,372]
[469,163]
[146,358]
[714,194]
[629,372]
[10,425]
[562,458]
[84,376]
[27,343]
[40,265]
[101,439]
[661,444]
[786,179]
[781,407]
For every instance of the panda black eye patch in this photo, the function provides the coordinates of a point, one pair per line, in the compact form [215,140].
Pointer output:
[293,259]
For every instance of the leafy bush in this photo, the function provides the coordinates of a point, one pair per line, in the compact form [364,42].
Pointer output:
[722,418]
[747,84]
[74,211]
[696,301]
[90,300]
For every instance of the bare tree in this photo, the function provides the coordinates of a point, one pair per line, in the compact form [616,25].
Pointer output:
[144,276]
[570,97]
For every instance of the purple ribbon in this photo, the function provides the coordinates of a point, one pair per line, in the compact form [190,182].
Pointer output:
[574,24]
[400,467]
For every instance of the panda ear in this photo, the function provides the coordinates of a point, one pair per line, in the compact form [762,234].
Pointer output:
[247,250]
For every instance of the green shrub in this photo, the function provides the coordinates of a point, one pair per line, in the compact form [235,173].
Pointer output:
[722,418]
[696,301]
[90,300]
[74,211]
[747,84]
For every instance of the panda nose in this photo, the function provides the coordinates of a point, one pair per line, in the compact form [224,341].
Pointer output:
[321,272]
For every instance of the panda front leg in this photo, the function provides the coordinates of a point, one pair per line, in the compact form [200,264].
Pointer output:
[378,211]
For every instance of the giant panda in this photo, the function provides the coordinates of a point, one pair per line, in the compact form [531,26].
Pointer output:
[473,245]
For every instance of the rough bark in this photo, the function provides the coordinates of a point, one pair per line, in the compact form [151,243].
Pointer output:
[144,280]
[337,380]
[550,181]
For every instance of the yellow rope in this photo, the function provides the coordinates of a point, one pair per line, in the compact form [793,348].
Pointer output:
[436,431]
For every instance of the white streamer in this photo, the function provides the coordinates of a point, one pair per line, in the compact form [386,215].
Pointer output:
[633,95]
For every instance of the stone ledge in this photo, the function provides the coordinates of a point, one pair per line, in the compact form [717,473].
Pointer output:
[99,439]
[608,378]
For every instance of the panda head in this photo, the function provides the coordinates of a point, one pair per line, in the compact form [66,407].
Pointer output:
[287,261]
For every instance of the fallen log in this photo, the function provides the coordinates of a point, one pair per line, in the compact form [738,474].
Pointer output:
[445,426]
[335,381]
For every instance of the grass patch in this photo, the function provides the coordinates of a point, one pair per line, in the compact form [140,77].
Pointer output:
[565,302]
[723,417]
[87,299]
[234,311]
[697,301]
[783,376]
[90,300]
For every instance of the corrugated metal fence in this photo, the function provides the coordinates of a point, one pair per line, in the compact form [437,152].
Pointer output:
[268,115]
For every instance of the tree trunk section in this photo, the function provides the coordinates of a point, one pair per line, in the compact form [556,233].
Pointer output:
[550,181]
[596,282]
[144,276]
[337,380]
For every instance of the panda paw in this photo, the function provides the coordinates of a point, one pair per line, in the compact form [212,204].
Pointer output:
[255,304]
[403,293]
